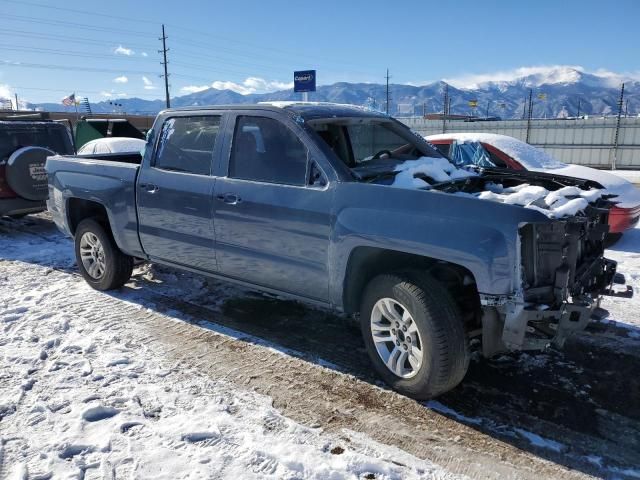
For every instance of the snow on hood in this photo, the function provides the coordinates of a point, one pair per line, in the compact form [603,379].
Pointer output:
[530,157]
[438,168]
[566,201]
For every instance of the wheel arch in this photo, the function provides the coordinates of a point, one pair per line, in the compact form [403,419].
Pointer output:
[365,263]
[79,209]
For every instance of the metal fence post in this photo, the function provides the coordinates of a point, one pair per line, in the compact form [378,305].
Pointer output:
[617,132]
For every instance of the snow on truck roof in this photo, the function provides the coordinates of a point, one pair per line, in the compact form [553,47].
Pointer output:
[529,156]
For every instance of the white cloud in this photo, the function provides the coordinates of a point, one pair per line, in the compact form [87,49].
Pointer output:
[148,84]
[541,74]
[113,94]
[5,91]
[144,54]
[194,88]
[121,79]
[617,78]
[120,50]
[247,86]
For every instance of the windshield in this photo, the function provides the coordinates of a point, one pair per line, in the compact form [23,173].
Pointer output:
[472,153]
[364,142]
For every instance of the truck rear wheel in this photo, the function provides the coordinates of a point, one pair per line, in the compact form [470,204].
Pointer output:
[414,334]
[99,259]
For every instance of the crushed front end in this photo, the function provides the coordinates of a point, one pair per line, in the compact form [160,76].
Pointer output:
[564,273]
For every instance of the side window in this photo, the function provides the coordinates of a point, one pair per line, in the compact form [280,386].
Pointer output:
[186,144]
[266,150]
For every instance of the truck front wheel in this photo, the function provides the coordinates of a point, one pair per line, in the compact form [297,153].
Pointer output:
[99,259]
[414,334]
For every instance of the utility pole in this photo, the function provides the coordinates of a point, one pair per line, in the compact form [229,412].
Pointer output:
[487,115]
[387,108]
[17,107]
[424,109]
[529,113]
[579,102]
[164,63]
[445,108]
[617,132]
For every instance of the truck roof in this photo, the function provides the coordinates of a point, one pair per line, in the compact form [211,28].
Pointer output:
[307,110]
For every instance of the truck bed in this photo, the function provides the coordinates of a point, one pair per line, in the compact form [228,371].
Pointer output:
[108,180]
[132,158]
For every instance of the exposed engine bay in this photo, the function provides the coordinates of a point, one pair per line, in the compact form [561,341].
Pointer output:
[562,267]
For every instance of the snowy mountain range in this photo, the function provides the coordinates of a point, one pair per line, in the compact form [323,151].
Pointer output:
[557,92]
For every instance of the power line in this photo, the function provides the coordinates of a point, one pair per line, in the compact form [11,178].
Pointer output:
[85,54]
[66,38]
[84,12]
[186,41]
[83,26]
[92,69]
[73,53]
[137,94]
[84,40]
[70,67]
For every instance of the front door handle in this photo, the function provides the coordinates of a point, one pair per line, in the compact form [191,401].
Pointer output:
[229,198]
[149,187]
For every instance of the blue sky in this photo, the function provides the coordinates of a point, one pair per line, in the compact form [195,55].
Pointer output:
[256,45]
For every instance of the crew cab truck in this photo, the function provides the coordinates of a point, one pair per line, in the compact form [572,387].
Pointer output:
[301,200]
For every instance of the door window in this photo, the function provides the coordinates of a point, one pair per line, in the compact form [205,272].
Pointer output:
[186,144]
[266,150]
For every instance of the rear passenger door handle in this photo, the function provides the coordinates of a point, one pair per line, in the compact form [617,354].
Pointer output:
[149,187]
[229,198]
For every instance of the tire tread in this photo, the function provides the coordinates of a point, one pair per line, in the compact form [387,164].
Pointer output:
[450,354]
[121,264]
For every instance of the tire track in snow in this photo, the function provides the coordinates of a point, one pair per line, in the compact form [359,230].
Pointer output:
[301,390]
[501,407]
[85,319]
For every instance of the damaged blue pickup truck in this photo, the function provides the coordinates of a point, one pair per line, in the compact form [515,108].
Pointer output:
[348,209]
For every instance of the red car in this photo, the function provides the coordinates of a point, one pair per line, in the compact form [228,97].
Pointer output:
[500,151]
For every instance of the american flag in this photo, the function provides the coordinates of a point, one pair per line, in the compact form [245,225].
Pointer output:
[70,100]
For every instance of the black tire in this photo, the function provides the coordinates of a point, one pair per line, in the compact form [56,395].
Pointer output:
[118,266]
[445,356]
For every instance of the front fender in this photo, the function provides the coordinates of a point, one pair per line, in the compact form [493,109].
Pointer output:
[478,235]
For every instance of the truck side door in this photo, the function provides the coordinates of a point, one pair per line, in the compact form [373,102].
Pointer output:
[272,210]
[175,193]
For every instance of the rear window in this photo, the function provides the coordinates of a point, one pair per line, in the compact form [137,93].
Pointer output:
[187,143]
[15,135]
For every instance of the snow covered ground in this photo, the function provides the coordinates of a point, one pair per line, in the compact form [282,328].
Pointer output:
[97,385]
[85,394]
